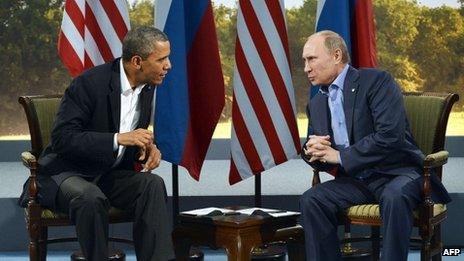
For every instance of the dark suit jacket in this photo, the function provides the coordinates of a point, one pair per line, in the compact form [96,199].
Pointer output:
[82,135]
[378,130]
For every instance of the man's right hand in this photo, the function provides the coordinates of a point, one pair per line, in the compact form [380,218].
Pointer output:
[141,138]
[315,145]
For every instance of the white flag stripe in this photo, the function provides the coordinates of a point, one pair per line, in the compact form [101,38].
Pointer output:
[161,13]
[251,121]
[275,43]
[265,87]
[73,36]
[81,5]
[238,157]
[91,49]
[320,5]
[123,9]
[106,28]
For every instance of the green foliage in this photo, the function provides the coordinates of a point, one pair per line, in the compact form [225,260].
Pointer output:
[141,13]
[225,19]
[28,54]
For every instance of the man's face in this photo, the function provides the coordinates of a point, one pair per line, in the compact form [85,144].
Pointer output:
[156,66]
[320,65]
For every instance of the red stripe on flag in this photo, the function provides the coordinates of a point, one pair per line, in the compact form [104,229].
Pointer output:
[77,18]
[259,106]
[95,30]
[279,22]
[206,94]
[234,176]
[363,35]
[244,137]
[116,18]
[87,61]
[68,56]
[264,51]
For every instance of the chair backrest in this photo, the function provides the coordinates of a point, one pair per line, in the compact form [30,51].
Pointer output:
[428,114]
[40,112]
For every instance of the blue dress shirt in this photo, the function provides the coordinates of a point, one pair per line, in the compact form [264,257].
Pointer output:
[337,114]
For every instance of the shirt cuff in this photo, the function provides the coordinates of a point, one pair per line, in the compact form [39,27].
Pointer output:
[115,142]
[340,159]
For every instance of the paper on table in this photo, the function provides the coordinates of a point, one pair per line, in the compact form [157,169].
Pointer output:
[272,212]
[206,211]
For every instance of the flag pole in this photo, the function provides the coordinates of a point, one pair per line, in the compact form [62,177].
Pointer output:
[258,198]
[175,193]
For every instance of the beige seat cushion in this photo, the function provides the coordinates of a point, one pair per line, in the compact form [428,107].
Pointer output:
[372,211]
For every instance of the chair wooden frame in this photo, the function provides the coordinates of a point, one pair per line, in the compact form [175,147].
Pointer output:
[428,224]
[36,221]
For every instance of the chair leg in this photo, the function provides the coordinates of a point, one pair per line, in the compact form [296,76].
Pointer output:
[43,243]
[375,233]
[426,246]
[34,234]
[436,242]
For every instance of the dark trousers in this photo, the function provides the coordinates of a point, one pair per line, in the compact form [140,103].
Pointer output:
[397,196]
[142,194]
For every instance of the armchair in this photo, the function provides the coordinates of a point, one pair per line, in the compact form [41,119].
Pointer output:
[428,117]
[40,112]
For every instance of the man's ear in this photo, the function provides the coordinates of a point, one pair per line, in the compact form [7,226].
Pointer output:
[338,56]
[136,62]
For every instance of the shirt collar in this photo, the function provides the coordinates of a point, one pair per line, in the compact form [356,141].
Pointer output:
[339,81]
[125,85]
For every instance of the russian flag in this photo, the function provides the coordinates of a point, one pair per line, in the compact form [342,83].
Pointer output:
[191,98]
[354,21]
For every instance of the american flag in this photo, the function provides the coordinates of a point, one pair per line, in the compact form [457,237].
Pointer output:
[92,33]
[264,130]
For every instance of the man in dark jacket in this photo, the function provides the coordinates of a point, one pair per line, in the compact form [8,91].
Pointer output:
[99,133]
[358,129]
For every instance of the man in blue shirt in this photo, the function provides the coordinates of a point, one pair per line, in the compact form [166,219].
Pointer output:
[358,130]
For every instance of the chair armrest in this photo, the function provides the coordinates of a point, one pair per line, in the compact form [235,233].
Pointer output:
[436,159]
[29,160]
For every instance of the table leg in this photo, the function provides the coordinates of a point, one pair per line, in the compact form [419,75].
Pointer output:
[182,249]
[238,252]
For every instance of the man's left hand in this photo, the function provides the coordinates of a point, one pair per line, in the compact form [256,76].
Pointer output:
[326,155]
[154,158]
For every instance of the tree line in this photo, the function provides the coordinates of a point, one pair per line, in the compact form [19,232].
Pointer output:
[422,47]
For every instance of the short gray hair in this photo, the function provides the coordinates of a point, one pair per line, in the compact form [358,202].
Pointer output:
[333,41]
[141,41]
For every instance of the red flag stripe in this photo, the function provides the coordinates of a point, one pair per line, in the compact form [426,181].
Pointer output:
[245,140]
[272,70]
[87,61]
[234,176]
[69,55]
[74,13]
[278,17]
[259,106]
[97,34]
[116,19]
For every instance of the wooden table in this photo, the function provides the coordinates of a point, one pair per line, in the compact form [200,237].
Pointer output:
[237,234]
